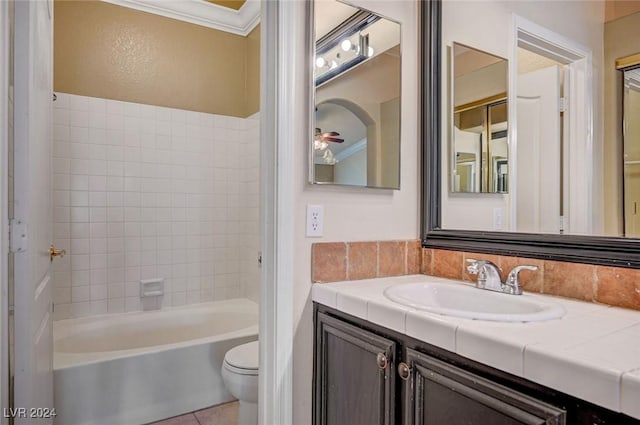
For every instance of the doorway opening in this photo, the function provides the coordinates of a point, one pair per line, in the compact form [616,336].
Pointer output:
[560,142]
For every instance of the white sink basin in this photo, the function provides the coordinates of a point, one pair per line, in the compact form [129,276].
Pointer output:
[460,300]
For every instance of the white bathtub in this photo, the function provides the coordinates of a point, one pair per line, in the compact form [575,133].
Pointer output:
[135,368]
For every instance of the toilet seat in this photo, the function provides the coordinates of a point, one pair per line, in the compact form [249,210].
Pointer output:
[243,359]
[239,370]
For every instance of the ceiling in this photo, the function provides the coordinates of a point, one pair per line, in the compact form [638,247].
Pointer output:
[328,14]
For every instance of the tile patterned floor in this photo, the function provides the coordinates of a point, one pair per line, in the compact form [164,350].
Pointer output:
[222,414]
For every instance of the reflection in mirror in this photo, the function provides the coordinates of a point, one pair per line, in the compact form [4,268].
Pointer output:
[356,137]
[562,171]
[632,152]
[479,139]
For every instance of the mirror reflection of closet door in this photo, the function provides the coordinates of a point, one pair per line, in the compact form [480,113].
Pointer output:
[632,153]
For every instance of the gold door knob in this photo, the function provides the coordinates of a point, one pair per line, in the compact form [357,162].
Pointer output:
[53,252]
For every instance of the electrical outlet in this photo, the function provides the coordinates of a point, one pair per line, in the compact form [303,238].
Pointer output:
[315,216]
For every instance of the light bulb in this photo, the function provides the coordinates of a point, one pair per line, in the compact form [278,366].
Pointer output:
[370,51]
[320,62]
[346,45]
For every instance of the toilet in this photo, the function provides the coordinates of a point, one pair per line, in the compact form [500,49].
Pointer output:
[240,375]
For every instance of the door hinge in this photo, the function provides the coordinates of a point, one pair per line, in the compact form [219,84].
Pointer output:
[18,239]
[564,104]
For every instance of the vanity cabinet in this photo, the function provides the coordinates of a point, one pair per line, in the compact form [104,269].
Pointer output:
[355,378]
[439,393]
[365,374]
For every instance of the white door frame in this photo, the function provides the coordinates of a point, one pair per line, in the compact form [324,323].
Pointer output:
[276,317]
[280,28]
[4,207]
[578,152]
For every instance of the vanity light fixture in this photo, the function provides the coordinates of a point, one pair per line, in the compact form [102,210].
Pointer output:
[346,44]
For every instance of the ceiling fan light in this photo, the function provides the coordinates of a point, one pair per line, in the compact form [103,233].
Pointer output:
[320,145]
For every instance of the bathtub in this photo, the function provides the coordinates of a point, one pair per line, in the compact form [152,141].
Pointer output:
[136,368]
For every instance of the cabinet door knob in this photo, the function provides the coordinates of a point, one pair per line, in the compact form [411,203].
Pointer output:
[382,360]
[404,371]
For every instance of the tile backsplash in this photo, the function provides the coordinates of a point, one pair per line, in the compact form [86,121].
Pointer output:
[142,192]
[337,261]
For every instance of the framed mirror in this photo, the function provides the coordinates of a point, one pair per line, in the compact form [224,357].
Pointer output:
[565,171]
[356,98]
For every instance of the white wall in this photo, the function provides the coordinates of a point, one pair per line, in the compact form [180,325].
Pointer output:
[488,26]
[351,214]
[142,192]
[352,169]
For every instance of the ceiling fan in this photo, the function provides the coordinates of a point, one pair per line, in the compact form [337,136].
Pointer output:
[321,145]
[329,136]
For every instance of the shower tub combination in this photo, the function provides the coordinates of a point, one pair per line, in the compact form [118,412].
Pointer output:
[135,368]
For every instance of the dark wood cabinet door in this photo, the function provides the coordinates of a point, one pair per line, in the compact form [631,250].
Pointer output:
[438,393]
[354,374]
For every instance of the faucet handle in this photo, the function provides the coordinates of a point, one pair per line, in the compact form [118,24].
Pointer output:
[514,273]
[475,265]
[513,280]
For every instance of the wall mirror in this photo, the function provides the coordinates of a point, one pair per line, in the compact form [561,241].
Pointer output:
[570,169]
[631,150]
[478,139]
[356,99]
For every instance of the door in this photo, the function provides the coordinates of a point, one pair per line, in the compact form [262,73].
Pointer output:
[31,229]
[538,152]
[354,375]
[439,393]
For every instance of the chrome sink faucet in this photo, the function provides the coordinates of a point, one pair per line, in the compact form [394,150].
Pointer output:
[489,276]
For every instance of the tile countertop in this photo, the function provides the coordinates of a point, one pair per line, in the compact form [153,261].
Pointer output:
[592,353]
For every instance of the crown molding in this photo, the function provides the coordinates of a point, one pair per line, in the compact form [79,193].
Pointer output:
[199,12]
[355,148]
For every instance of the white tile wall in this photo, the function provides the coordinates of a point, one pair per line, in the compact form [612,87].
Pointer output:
[141,192]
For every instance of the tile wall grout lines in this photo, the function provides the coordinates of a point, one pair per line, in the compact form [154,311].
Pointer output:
[347,249]
[377,258]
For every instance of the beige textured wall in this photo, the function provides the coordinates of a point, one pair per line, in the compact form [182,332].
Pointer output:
[232,4]
[252,88]
[108,51]
[614,9]
[620,40]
